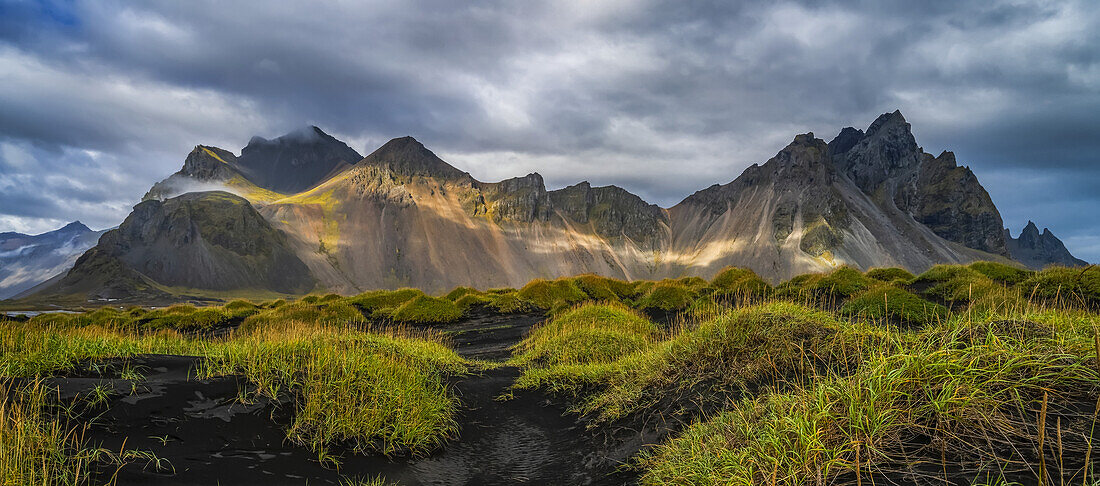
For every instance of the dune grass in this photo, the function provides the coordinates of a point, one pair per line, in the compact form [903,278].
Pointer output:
[667,295]
[377,390]
[552,294]
[35,449]
[895,305]
[589,333]
[740,351]
[828,378]
[952,393]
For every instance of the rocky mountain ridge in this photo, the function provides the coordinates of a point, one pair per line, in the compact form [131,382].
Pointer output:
[401,216]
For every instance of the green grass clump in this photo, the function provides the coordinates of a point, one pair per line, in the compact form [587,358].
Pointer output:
[1001,272]
[970,399]
[509,303]
[826,289]
[742,351]
[338,312]
[552,294]
[741,283]
[589,333]
[667,295]
[1062,286]
[843,282]
[601,288]
[376,392]
[470,300]
[460,292]
[886,302]
[381,303]
[35,449]
[890,274]
[425,309]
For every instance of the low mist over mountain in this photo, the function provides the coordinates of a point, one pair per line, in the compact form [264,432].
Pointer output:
[26,261]
[302,212]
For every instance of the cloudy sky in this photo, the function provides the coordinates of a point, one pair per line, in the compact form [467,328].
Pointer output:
[100,100]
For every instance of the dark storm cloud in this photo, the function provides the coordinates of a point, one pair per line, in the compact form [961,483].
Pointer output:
[660,97]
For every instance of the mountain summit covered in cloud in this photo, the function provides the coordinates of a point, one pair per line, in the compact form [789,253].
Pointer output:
[402,216]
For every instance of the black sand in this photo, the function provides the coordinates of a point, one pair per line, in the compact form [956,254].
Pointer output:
[204,436]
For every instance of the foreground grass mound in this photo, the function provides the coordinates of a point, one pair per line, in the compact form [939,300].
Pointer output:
[667,295]
[590,333]
[552,294]
[424,309]
[968,403]
[375,391]
[739,285]
[1063,286]
[741,351]
[888,303]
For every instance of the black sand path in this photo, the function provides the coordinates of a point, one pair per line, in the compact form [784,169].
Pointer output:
[207,437]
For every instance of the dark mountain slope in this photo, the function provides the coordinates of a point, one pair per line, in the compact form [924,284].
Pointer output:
[205,240]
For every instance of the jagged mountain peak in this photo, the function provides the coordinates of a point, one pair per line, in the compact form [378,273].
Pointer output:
[1037,250]
[408,157]
[887,121]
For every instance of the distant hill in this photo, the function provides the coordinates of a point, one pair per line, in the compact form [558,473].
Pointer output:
[305,215]
[29,260]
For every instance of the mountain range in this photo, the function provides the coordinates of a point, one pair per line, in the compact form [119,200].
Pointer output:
[305,212]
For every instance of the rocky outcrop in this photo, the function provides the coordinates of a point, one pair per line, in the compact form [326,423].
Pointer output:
[29,260]
[518,200]
[1039,250]
[613,212]
[887,164]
